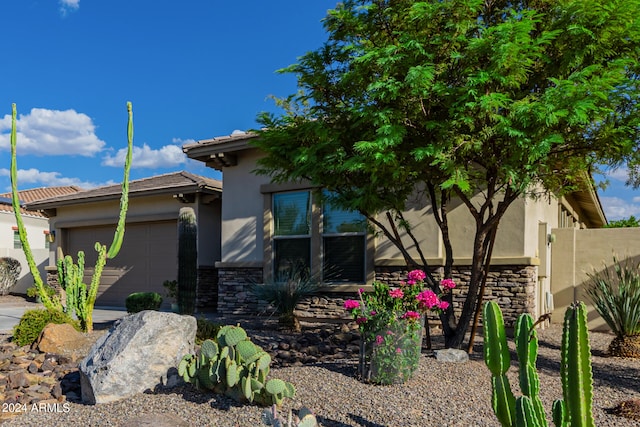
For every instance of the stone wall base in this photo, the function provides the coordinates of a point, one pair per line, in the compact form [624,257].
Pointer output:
[512,287]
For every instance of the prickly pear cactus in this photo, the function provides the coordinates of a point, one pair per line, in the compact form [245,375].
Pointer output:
[233,365]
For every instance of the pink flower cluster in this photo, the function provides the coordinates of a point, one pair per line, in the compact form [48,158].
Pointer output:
[413,315]
[415,276]
[351,304]
[429,300]
[396,293]
[447,283]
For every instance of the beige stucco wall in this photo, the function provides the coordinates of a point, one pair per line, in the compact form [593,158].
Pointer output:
[35,227]
[577,252]
[142,209]
[242,212]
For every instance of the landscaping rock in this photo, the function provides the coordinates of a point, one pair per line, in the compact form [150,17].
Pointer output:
[64,340]
[140,352]
[452,355]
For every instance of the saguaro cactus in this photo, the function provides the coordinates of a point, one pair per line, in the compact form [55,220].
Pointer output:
[575,370]
[187,260]
[80,298]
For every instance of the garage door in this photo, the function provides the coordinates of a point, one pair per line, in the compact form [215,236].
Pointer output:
[147,258]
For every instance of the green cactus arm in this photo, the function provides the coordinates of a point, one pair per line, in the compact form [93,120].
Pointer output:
[124,199]
[575,367]
[525,413]
[92,293]
[49,303]
[495,348]
[559,413]
[502,400]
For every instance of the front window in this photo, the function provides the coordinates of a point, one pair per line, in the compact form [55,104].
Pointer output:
[332,243]
[17,244]
[343,244]
[292,231]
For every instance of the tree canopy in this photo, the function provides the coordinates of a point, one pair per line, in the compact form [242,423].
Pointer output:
[460,98]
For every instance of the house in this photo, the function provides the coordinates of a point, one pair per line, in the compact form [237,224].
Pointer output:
[264,225]
[37,226]
[148,256]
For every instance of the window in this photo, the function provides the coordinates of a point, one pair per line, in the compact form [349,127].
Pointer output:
[17,244]
[343,245]
[332,243]
[292,231]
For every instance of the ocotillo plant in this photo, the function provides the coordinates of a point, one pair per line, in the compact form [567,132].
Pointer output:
[575,370]
[187,260]
[80,299]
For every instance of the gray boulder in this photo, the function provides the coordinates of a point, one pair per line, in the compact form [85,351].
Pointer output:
[452,355]
[140,352]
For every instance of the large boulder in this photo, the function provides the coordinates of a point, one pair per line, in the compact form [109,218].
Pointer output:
[140,352]
[64,340]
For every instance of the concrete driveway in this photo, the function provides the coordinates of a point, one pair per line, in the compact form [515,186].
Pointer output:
[13,307]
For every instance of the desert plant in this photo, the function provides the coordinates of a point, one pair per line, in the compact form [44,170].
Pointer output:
[33,322]
[172,288]
[80,298]
[9,272]
[575,370]
[232,365]
[304,418]
[615,293]
[285,290]
[206,330]
[187,260]
[32,292]
[139,301]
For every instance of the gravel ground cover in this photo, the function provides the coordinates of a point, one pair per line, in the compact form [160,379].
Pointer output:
[440,394]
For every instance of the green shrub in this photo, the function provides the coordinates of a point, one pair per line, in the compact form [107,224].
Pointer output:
[140,301]
[33,322]
[206,330]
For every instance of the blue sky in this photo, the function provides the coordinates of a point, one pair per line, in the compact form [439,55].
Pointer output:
[193,70]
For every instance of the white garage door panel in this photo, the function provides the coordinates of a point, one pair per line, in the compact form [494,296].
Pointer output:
[147,258]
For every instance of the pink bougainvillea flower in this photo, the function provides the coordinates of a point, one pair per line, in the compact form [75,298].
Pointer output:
[361,291]
[389,332]
[443,305]
[379,339]
[428,299]
[399,350]
[361,320]
[396,293]
[373,312]
[447,283]
[411,315]
[411,282]
[351,304]
[416,275]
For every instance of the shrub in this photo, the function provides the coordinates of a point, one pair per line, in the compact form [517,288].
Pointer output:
[615,293]
[33,322]
[285,290]
[140,301]
[206,330]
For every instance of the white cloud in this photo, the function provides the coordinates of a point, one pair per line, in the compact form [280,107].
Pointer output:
[145,157]
[619,174]
[52,133]
[67,6]
[616,208]
[33,178]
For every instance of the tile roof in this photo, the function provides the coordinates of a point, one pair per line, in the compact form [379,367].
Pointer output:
[161,184]
[35,194]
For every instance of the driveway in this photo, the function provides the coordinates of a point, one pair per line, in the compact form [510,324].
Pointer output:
[13,307]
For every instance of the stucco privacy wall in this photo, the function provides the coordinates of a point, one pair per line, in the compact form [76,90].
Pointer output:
[576,253]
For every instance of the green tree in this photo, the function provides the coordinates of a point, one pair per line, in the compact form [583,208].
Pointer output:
[485,101]
[624,222]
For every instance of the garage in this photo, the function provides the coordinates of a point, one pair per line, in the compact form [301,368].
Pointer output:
[147,258]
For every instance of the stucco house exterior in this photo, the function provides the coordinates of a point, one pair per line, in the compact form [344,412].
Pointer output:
[38,231]
[257,235]
[148,255]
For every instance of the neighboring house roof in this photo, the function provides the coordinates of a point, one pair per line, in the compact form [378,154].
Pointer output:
[35,194]
[176,183]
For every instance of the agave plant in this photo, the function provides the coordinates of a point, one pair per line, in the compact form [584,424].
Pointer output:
[615,293]
[285,290]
